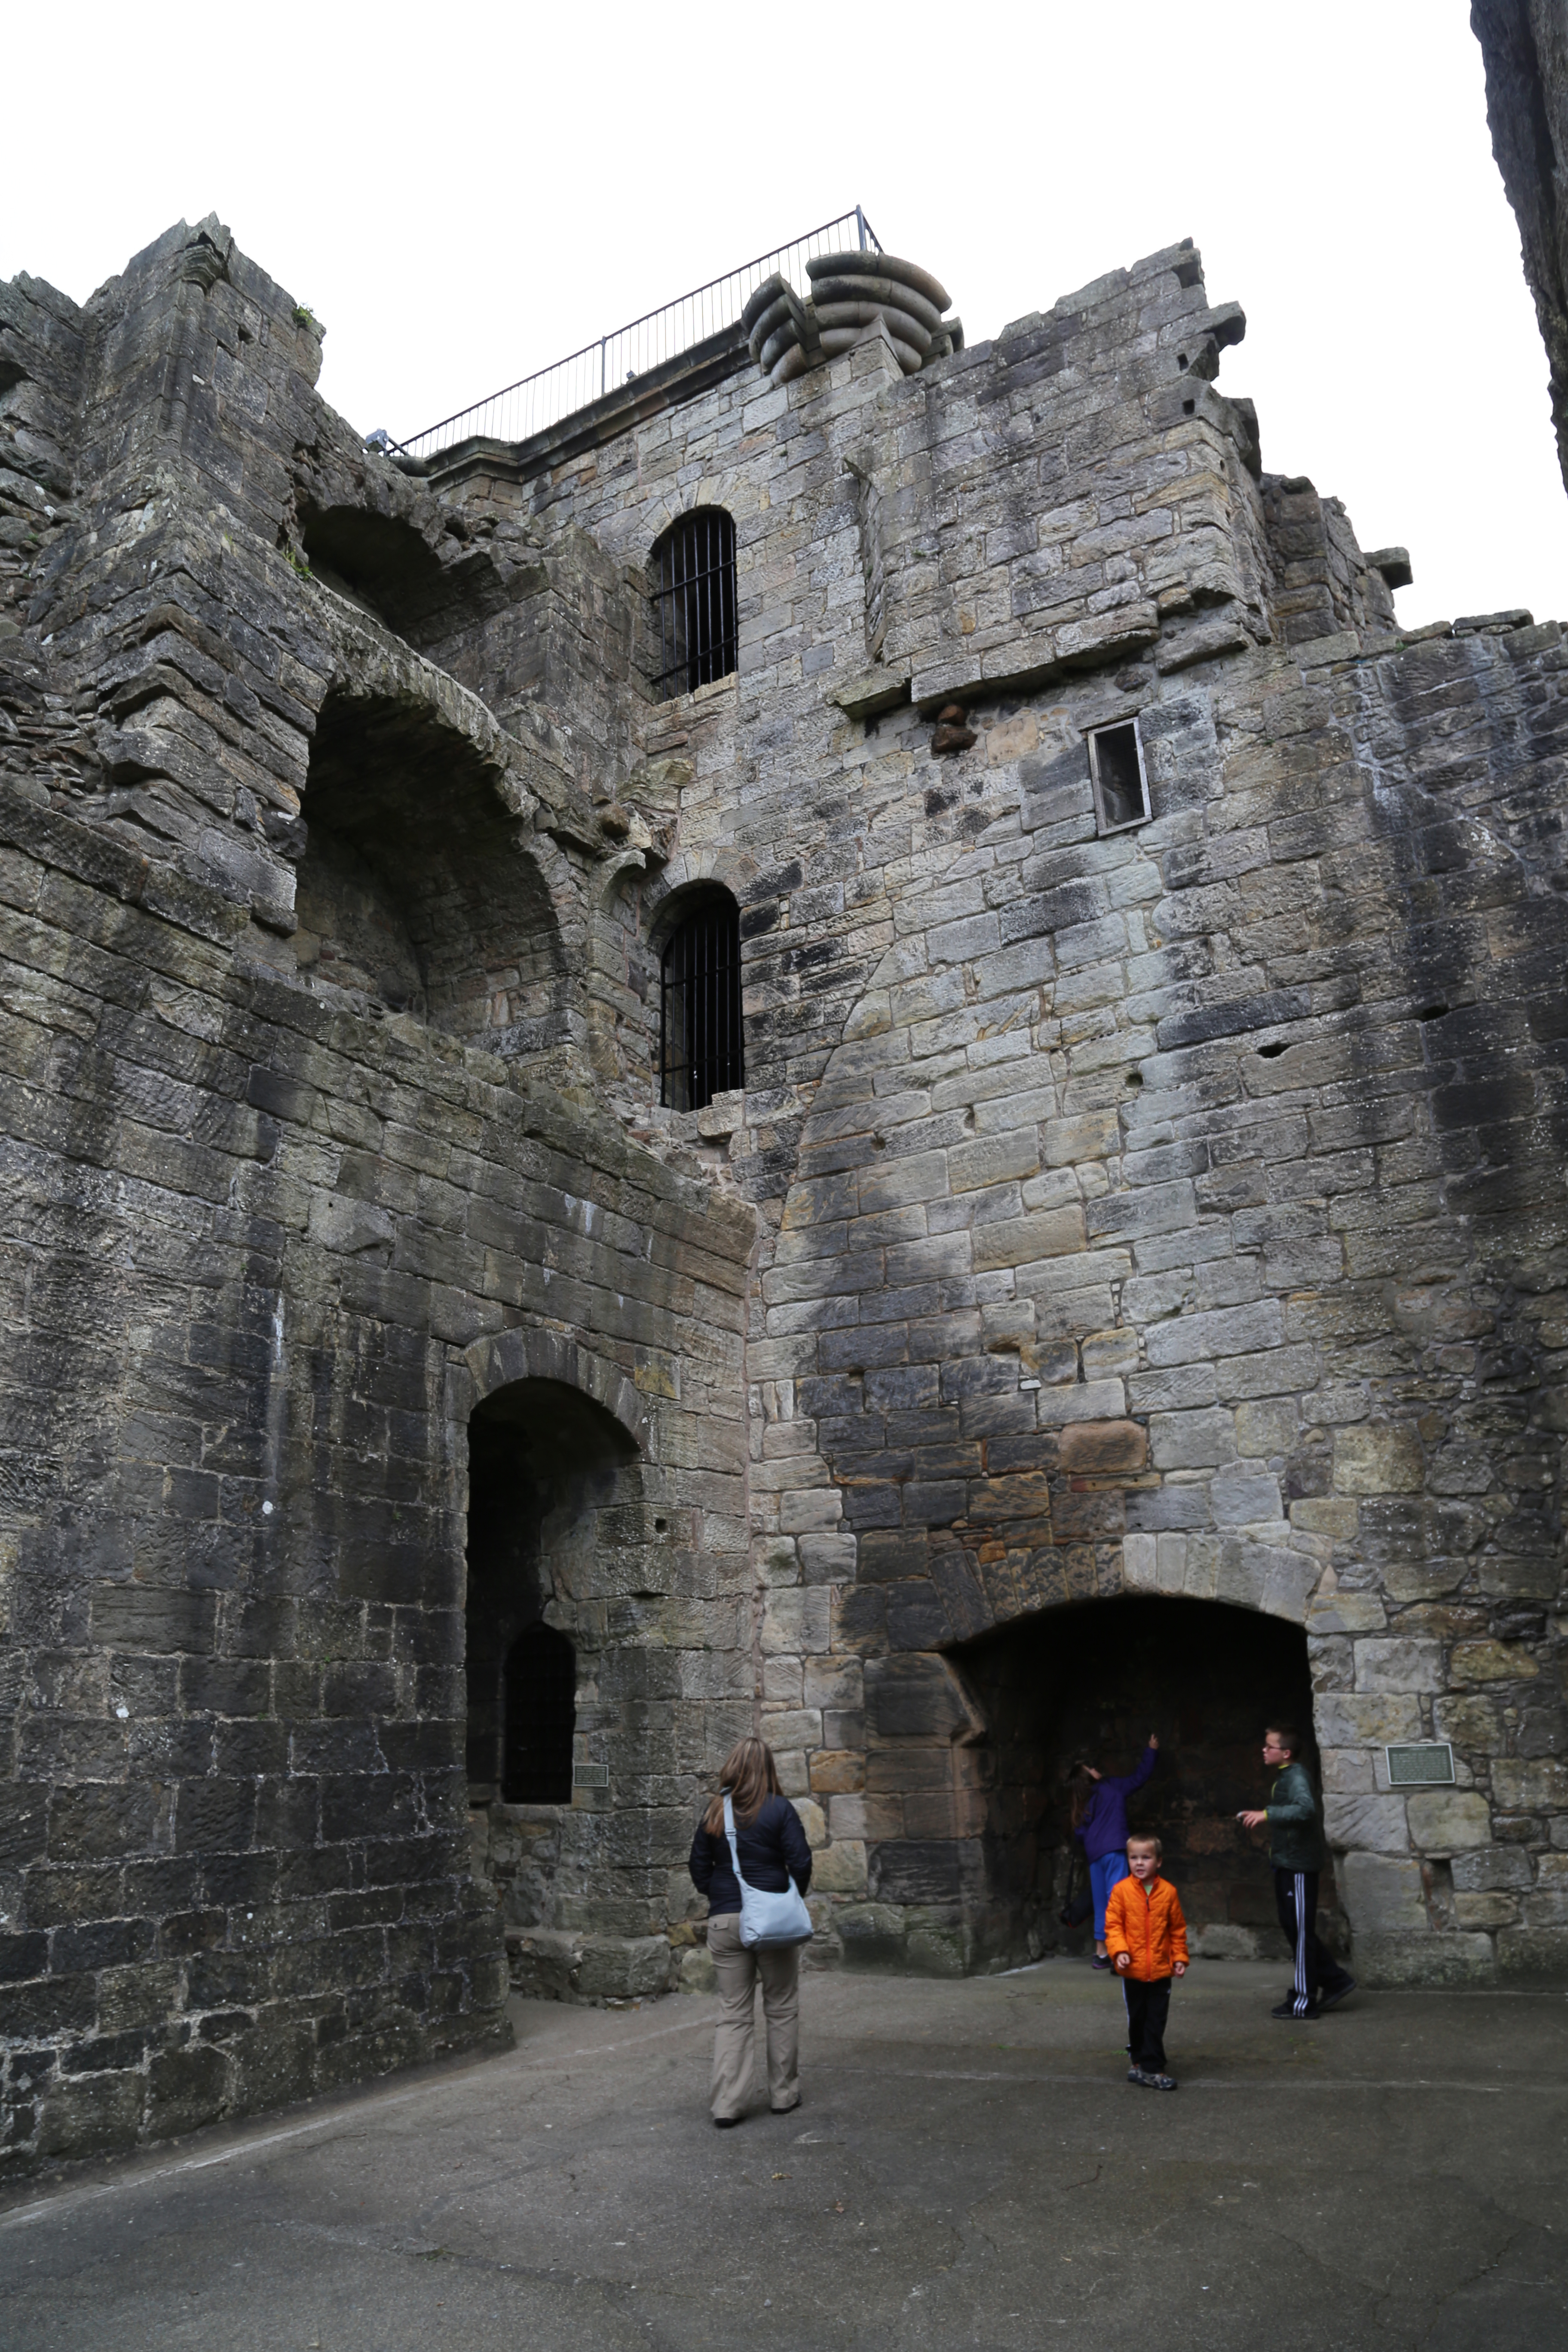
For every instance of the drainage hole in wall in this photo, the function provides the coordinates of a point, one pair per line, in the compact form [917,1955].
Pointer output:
[1181,358]
[1134,1078]
[1188,406]
[1432,1013]
[659,1525]
[1271,1053]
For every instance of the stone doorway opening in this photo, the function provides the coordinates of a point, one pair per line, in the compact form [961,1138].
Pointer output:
[544,1461]
[1094,1680]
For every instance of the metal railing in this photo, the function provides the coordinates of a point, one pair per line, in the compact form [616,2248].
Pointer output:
[538,400]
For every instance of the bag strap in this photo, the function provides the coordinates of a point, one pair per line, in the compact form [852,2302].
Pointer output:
[730,1833]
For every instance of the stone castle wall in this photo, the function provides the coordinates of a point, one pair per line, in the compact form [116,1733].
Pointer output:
[1177,1212]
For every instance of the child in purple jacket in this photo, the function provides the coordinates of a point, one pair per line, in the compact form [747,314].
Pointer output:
[1100,1825]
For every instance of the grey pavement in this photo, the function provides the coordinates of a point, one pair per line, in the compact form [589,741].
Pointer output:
[969,2168]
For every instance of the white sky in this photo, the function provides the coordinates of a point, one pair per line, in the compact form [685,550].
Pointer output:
[465,193]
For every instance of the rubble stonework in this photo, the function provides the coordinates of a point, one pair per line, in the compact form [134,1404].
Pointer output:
[1168,1217]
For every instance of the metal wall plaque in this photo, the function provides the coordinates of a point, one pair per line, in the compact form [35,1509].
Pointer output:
[597,1776]
[1422,1764]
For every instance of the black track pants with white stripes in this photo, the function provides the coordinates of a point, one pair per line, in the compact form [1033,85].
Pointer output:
[1314,1971]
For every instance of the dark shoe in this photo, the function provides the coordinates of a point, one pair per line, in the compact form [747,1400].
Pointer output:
[1136,2074]
[1298,2016]
[1100,1962]
[727,2122]
[1332,2000]
[786,2111]
[1161,2082]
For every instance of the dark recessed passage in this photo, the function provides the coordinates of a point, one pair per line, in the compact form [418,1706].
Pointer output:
[701,1046]
[1272,1052]
[540,1714]
[694,564]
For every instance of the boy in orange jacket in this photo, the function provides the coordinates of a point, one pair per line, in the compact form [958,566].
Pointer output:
[1146,1936]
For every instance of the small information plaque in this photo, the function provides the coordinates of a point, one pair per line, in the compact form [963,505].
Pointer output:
[1422,1764]
[590,1776]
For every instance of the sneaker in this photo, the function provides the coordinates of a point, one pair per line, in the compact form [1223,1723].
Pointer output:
[1298,2016]
[1100,1962]
[1161,2082]
[1136,2074]
[1341,1992]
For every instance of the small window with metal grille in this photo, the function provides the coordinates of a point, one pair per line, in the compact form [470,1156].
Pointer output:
[540,1714]
[1120,782]
[694,567]
[701,1046]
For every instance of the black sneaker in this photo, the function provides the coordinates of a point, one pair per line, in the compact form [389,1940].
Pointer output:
[1161,2082]
[1341,1992]
[1298,2016]
[1136,2074]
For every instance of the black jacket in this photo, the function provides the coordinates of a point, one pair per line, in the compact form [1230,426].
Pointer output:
[772,1851]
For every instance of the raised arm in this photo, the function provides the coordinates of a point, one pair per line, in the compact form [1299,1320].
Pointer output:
[1131,1781]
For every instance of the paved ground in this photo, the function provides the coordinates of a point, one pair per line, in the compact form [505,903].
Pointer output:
[970,2169]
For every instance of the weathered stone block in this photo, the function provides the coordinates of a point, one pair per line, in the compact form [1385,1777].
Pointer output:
[1091,1448]
[1374,1824]
[1490,1661]
[1382,1896]
[1447,1821]
[1377,1461]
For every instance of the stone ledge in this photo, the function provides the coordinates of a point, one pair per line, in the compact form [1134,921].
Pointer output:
[562,1963]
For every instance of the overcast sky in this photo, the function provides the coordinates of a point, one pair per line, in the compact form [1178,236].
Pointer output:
[466,193]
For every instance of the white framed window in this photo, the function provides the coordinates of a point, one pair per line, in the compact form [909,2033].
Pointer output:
[1120,779]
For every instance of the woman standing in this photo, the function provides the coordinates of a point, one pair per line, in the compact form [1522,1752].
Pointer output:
[772,1850]
[1100,1825]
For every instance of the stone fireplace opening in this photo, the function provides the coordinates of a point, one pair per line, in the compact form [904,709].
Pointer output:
[1094,1680]
[415,892]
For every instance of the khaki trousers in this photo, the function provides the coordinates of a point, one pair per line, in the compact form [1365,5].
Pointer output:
[739,1973]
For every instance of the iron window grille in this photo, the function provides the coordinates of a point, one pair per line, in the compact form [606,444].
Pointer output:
[696,602]
[701,1046]
[1120,779]
[539,1695]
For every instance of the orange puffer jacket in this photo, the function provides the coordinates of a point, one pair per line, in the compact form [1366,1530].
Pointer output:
[1146,1922]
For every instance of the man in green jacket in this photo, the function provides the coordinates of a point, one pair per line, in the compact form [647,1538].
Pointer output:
[1297,1850]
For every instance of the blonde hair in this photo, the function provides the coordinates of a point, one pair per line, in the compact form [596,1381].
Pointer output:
[751,1778]
[1144,1837]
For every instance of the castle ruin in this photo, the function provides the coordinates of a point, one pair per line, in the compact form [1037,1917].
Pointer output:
[850,1044]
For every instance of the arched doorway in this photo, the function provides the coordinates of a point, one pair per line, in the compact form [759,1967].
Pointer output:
[1093,1680]
[544,1462]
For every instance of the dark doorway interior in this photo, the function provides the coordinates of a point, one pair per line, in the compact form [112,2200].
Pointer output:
[1093,1681]
[539,1715]
[544,1460]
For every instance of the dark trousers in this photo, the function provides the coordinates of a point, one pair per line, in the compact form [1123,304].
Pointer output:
[1148,2007]
[1314,1971]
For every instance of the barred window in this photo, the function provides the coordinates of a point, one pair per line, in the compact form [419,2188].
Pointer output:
[540,1704]
[694,563]
[700,1051]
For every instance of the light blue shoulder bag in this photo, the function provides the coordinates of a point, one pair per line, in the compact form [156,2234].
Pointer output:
[767,1920]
